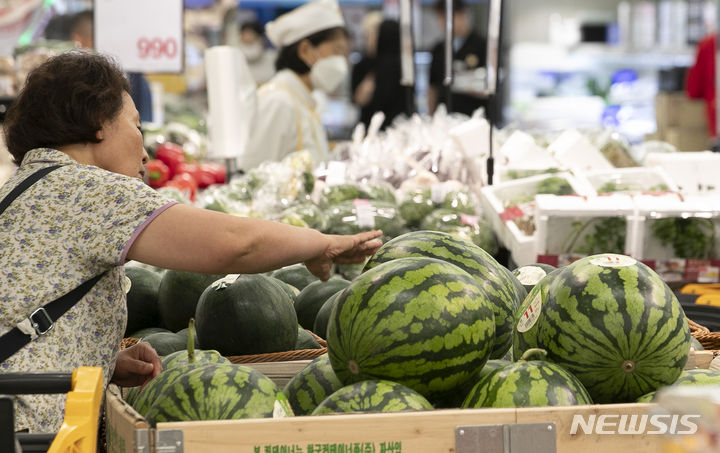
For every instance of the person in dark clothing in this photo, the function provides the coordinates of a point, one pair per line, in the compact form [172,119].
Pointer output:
[470,51]
[389,96]
[362,80]
[58,28]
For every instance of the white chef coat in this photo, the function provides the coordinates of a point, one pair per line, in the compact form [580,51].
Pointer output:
[285,122]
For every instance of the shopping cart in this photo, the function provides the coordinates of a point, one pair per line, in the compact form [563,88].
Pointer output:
[78,433]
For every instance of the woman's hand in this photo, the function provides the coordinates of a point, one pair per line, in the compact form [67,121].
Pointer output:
[344,250]
[136,365]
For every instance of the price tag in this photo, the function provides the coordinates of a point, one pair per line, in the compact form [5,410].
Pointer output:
[709,274]
[145,36]
[365,214]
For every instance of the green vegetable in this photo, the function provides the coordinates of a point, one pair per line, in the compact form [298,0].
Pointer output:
[555,185]
[690,238]
[608,236]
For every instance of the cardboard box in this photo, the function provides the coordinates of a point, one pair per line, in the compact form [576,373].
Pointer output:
[687,139]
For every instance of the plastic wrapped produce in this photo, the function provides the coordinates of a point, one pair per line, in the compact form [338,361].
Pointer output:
[466,226]
[352,217]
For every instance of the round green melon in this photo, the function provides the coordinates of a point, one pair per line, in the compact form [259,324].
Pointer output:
[323,316]
[296,275]
[306,340]
[307,389]
[420,322]
[531,274]
[612,322]
[455,397]
[373,396]
[183,334]
[165,343]
[688,377]
[416,206]
[528,383]
[142,299]
[343,219]
[218,392]
[464,226]
[147,331]
[290,290]
[249,314]
[178,296]
[340,193]
[311,299]
[461,202]
[148,395]
[500,287]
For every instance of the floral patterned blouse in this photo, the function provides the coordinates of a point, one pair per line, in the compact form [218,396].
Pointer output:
[73,224]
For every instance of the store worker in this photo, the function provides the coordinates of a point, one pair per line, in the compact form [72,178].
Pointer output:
[469,54]
[260,60]
[313,47]
[92,213]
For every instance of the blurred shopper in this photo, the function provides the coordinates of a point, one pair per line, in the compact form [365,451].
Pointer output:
[58,28]
[81,32]
[313,45]
[260,59]
[700,82]
[362,81]
[469,53]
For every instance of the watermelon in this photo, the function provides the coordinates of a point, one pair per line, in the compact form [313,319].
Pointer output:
[455,397]
[308,388]
[612,322]
[323,316]
[529,382]
[373,396]
[184,334]
[296,275]
[218,392]
[499,286]
[464,226]
[309,214]
[337,194]
[306,340]
[461,202]
[688,377]
[142,299]
[147,331]
[531,274]
[178,296]
[165,343]
[290,290]
[416,206]
[420,322]
[247,314]
[311,299]
[344,218]
[380,191]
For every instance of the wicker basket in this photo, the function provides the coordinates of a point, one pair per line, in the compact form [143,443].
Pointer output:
[709,340]
[300,354]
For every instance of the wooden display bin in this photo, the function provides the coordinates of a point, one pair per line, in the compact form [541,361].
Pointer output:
[524,430]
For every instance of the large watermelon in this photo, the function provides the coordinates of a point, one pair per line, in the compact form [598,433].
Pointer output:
[612,322]
[249,314]
[142,299]
[312,385]
[306,340]
[688,377]
[219,392]
[455,397]
[312,297]
[296,275]
[178,296]
[323,316]
[528,382]
[501,288]
[165,343]
[373,396]
[421,322]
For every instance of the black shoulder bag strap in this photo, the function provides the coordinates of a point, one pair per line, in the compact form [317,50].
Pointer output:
[41,320]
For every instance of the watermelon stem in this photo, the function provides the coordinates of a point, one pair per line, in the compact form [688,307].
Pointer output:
[539,354]
[191,341]
[628,366]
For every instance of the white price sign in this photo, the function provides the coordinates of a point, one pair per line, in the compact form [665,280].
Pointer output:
[145,35]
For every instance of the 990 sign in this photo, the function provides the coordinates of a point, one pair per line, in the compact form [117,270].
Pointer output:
[157,48]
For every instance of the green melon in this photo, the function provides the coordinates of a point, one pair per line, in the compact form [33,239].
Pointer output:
[178,296]
[290,290]
[323,316]
[311,299]
[308,388]
[183,334]
[461,202]
[218,392]
[528,383]
[147,331]
[500,287]
[306,340]
[343,218]
[340,193]
[142,299]
[455,397]
[296,275]
[420,322]
[249,314]
[612,322]
[373,396]
[165,343]
[688,377]
[464,226]
[416,206]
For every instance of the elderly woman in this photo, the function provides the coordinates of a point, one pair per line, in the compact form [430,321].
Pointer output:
[79,223]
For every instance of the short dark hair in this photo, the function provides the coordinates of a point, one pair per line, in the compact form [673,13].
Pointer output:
[65,101]
[288,57]
[458,5]
[252,25]
[58,28]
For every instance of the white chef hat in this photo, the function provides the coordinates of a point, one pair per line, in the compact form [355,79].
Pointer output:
[304,21]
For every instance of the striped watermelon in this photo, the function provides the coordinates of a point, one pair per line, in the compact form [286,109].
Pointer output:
[688,377]
[455,397]
[502,289]
[612,322]
[421,322]
[311,386]
[373,396]
[528,383]
[219,392]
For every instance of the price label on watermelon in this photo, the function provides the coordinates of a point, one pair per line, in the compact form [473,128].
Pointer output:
[281,408]
[469,220]
[531,314]
[612,260]
[365,214]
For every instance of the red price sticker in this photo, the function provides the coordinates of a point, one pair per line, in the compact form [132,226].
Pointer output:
[157,48]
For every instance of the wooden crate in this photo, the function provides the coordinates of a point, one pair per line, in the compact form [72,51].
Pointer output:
[416,432]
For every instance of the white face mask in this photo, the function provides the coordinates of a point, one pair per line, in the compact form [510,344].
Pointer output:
[253,51]
[327,73]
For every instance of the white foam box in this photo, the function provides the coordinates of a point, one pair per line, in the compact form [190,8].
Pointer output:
[497,198]
[633,179]
[564,224]
[693,172]
[574,151]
